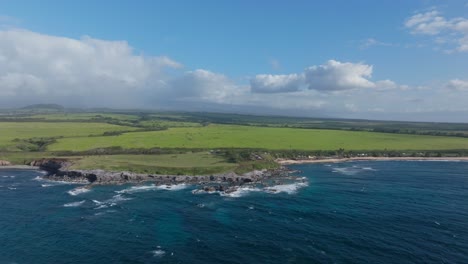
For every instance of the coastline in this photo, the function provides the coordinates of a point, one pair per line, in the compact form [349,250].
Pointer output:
[338,160]
[57,170]
[19,167]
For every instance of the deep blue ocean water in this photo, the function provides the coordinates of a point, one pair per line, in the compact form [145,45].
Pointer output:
[353,212]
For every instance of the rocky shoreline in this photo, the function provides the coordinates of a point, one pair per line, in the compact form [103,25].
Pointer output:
[57,170]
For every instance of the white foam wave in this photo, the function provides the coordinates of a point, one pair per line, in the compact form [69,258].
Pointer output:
[236,192]
[352,170]
[346,171]
[286,188]
[241,191]
[152,187]
[158,253]
[78,191]
[74,204]
[173,187]
[9,176]
[135,189]
[39,178]
[200,191]
[116,199]
[47,185]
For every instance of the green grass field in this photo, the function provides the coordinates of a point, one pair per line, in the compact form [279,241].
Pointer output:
[234,136]
[24,130]
[196,163]
[41,134]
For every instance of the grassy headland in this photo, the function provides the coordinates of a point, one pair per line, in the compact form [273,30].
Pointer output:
[205,143]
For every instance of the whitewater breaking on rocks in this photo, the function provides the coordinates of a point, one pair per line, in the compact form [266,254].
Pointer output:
[57,170]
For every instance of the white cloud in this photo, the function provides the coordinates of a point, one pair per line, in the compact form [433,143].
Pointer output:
[205,86]
[39,68]
[36,67]
[335,76]
[267,83]
[429,23]
[457,84]
[453,31]
[330,77]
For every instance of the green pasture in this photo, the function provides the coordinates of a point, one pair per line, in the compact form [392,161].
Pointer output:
[9,131]
[235,136]
[195,163]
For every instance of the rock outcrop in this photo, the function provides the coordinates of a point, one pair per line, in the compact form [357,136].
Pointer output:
[58,170]
[5,163]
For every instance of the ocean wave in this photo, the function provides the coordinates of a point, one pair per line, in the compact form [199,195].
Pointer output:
[9,176]
[74,204]
[173,187]
[41,179]
[200,191]
[104,212]
[241,191]
[347,171]
[158,253]
[38,178]
[352,170]
[78,191]
[282,188]
[153,187]
[116,199]
[286,188]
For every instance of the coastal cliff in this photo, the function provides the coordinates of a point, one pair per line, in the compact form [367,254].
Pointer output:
[58,170]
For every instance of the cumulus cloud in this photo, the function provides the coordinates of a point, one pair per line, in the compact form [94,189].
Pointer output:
[267,83]
[335,75]
[329,77]
[35,66]
[457,84]
[40,68]
[204,85]
[448,31]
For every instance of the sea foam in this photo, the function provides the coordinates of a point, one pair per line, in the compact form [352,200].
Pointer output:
[78,191]
[241,191]
[158,253]
[74,204]
[286,188]
[153,187]
[116,199]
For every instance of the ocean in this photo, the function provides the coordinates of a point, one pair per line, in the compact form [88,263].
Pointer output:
[351,212]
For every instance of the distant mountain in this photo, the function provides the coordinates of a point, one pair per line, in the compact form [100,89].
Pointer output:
[44,107]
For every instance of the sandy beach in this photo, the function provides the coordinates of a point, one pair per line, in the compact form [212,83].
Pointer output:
[334,160]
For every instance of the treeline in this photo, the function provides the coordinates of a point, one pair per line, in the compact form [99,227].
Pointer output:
[342,153]
[244,155]
[416,132]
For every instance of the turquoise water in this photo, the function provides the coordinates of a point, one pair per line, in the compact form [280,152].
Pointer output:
[355,212]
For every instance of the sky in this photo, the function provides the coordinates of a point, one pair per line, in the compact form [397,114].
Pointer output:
[387,59]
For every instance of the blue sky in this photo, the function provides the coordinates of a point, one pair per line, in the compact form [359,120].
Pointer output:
[292,57]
